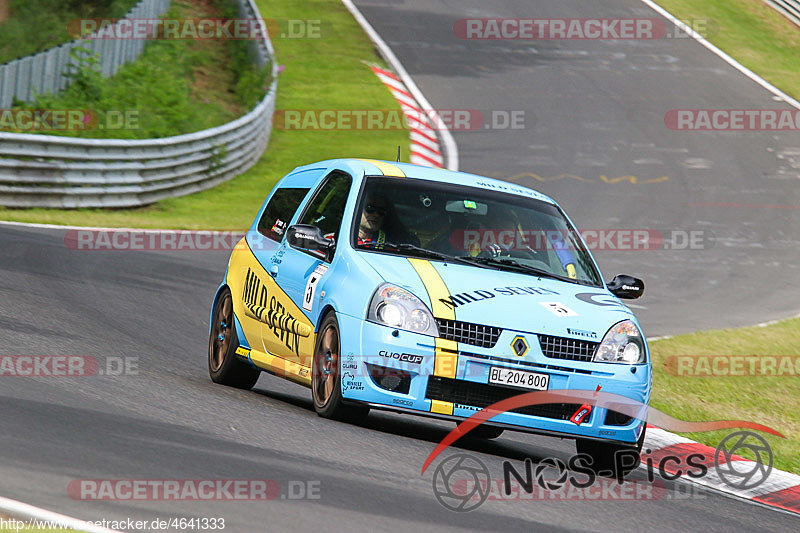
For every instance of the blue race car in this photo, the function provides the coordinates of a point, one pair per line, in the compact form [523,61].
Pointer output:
[399,287]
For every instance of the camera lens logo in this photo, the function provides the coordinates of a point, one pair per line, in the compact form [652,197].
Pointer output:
[549,482]
[461,483]
[740,474]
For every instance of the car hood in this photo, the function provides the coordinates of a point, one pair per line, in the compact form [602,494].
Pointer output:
[510,300]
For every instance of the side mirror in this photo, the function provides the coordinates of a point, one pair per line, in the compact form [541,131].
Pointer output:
[626,287]
[309,238]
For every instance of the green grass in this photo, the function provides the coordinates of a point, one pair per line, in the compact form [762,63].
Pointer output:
[36,25]
[768,400]
[322,73]
[751,32]
[175,87]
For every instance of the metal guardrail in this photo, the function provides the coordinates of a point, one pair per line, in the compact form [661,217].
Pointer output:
[64,172]
[790,8]
[45,72]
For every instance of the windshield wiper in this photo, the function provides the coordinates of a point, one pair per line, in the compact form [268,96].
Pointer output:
[431,254]
[419,251]
[513,264]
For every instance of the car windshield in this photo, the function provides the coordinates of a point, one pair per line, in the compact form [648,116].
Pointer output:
[489,229]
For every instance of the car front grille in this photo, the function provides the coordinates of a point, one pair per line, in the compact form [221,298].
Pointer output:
[482,395]
[475,334]
[563,348]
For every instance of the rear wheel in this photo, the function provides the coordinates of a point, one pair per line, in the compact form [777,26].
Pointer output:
[326,383]
[223,365]
[604,456]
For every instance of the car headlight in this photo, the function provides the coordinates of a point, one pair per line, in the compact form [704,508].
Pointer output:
[398,308]
[622,344]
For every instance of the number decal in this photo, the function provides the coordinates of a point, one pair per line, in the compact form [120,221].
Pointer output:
[558,309]
[311,287]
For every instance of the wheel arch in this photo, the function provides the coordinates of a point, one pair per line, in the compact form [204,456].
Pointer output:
[322,314]
[217,294]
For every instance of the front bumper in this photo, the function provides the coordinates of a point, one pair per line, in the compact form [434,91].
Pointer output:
[420,383]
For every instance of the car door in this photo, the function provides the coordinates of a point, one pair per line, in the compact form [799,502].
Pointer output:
[301,273]
[264,311]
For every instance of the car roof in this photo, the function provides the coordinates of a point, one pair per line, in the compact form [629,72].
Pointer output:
[374,167]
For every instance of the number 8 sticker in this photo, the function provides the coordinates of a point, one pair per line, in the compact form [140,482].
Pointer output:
[311,287]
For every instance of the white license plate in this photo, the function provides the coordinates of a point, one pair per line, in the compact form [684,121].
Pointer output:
[518,378]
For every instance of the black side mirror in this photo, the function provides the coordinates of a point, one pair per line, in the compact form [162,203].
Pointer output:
[626,287]
[309,238]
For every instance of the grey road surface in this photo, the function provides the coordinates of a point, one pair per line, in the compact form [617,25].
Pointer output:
[592,109]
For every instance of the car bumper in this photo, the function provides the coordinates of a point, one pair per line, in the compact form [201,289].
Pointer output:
[403,371]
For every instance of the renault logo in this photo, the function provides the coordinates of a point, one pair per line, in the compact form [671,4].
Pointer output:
[519,345]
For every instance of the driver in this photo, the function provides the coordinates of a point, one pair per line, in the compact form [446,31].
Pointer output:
[379,226]
[370,229]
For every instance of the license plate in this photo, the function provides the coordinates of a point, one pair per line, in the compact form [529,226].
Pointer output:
[519,378]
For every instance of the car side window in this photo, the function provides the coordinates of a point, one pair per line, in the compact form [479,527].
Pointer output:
[279,212]
[326,209]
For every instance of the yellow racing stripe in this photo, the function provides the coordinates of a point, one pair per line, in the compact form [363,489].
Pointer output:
[388,169]
[446,359]
[435,286]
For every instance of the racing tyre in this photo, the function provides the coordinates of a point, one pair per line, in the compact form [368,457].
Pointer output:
[603,455]
[326,383]
[224,366]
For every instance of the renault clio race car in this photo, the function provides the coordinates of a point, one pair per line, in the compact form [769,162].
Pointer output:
[406,288]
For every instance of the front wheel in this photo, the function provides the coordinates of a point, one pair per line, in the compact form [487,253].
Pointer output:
[326,383]
[223,365]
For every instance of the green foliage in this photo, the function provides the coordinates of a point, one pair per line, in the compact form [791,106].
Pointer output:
[175,87]
[84,74]
[320,73]
[37,25]
[252,83]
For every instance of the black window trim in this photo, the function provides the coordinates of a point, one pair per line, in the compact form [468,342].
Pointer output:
[264,212]
[310,201]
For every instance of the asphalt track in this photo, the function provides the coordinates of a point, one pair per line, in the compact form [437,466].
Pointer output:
[168,421]
[595,109]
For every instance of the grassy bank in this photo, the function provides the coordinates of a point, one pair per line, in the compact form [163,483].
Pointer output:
[319,73]
[174,87]
[36,25]
[688,391]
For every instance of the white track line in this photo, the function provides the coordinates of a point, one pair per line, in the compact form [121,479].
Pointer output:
[91,228]
[728,59]
[450,148]
[24,511]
